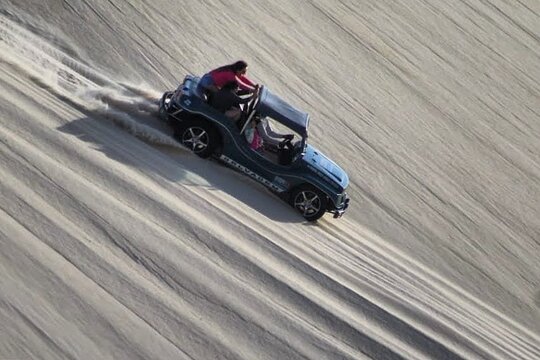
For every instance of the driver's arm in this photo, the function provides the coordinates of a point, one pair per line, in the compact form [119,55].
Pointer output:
[245,84]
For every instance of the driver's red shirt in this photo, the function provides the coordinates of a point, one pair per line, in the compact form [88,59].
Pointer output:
[220,78]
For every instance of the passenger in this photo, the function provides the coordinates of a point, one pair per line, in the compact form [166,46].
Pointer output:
[253,137]
[272,139]
[227,101]
[214,80]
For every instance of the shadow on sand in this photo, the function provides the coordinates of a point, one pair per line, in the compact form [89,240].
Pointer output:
[175,163]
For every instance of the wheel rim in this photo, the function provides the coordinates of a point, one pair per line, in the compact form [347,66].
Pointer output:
[196,139]
[307,202]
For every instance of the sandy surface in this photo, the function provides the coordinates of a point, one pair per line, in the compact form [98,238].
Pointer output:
[116,243]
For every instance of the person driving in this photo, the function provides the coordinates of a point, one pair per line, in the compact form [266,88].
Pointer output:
[215,79]
[227,101]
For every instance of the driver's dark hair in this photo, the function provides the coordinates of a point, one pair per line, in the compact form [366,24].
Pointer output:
[234,67]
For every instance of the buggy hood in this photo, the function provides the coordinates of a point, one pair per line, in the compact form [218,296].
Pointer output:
[276,108]
[322,164]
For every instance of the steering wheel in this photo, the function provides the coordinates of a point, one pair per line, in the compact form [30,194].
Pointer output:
[286,144]
[285,152]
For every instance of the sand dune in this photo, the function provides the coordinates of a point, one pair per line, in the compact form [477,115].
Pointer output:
[117,243]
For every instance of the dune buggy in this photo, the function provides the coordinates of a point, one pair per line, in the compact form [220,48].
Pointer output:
[296,171]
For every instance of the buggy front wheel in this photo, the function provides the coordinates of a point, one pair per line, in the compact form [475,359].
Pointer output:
[309,201]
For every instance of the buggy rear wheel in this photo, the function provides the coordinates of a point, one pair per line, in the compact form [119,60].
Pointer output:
[198,136]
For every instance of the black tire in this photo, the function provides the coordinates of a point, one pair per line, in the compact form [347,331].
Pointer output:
[309,201]
[199,136]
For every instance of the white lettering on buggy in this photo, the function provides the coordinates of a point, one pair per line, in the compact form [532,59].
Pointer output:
[250,173]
